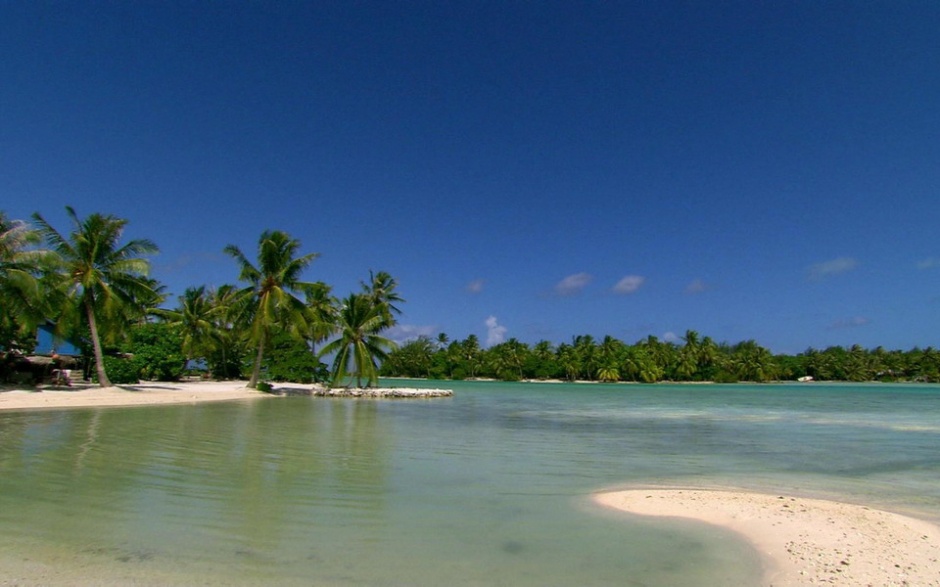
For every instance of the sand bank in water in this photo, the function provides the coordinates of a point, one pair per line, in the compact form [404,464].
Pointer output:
[806,541]
[82,396]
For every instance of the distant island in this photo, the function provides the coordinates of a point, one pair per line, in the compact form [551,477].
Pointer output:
[650,360]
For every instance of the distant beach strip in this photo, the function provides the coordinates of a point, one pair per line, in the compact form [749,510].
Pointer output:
[805,541]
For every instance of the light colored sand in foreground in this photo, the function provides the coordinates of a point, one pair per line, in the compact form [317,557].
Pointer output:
[128,395]
[806,541]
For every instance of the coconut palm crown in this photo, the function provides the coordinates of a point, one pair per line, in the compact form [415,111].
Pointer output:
[271,288]
[359,345]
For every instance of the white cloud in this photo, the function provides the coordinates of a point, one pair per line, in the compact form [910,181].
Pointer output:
[402,333]
[475,286]
[853,322]
[495,333]
[573,284]
[833,267]
[629,284]
[670,337]
[696,286]
[929,263]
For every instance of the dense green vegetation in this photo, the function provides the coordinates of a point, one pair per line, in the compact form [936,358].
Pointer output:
[276,327]
[95,289]
[651,360]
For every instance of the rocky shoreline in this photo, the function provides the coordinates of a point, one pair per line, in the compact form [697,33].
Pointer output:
[367,392]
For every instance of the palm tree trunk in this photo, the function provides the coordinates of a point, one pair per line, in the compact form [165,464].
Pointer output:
[256,370]
[103,380]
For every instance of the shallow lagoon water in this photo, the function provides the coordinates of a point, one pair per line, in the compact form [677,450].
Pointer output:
[490,487]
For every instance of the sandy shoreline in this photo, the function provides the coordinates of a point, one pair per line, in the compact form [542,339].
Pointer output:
[806,541]
[147,393]
[161,393]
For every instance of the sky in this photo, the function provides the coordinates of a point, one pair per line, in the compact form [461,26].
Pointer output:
[536,170]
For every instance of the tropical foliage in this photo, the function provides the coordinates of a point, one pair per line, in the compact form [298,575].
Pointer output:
[94,287]
[271,295]
[20,268]
[359,346]
[99,280]
[651,360]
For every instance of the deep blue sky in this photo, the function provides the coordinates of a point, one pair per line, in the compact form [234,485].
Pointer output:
[744,169]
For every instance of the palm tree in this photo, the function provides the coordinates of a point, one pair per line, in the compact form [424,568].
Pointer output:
[640,365]
[753,362]
[608,374]
[20,265]
[229,312]
[381,291]
[471,353]
[586,349]
[568,360]
[99,277]
[359,344]
[194,318]
[271,287]
[323,311]
[507,359]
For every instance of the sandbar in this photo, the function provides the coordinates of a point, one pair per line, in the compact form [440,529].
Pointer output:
[805,541]
[138,394]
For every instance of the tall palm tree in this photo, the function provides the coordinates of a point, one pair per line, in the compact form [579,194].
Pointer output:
[569,360]
[381,290]
[100,278]
[359,345]
[271,287]
[471,353]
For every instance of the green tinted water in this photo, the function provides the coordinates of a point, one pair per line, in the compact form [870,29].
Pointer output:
[486,488]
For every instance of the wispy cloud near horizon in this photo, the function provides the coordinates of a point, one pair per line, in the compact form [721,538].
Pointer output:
[402,333]
[696,286]
[573,284]
[476,286]
[495,333]
[854,322]
[834,267]
[929,263]
[629,284]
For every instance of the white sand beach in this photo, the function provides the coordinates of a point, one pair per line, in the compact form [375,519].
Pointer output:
[160,392]
[147,393]
[806,541]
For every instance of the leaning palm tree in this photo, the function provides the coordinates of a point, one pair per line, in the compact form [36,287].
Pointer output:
[271,287]
[359,346]
[99,278]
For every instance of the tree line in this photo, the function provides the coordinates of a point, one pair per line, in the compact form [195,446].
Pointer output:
[274,326]
[651,360]
[95,289]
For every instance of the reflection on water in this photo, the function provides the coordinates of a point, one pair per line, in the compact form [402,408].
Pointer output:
[486,488]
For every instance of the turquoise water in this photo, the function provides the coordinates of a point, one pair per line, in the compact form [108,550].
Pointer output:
[489,487]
